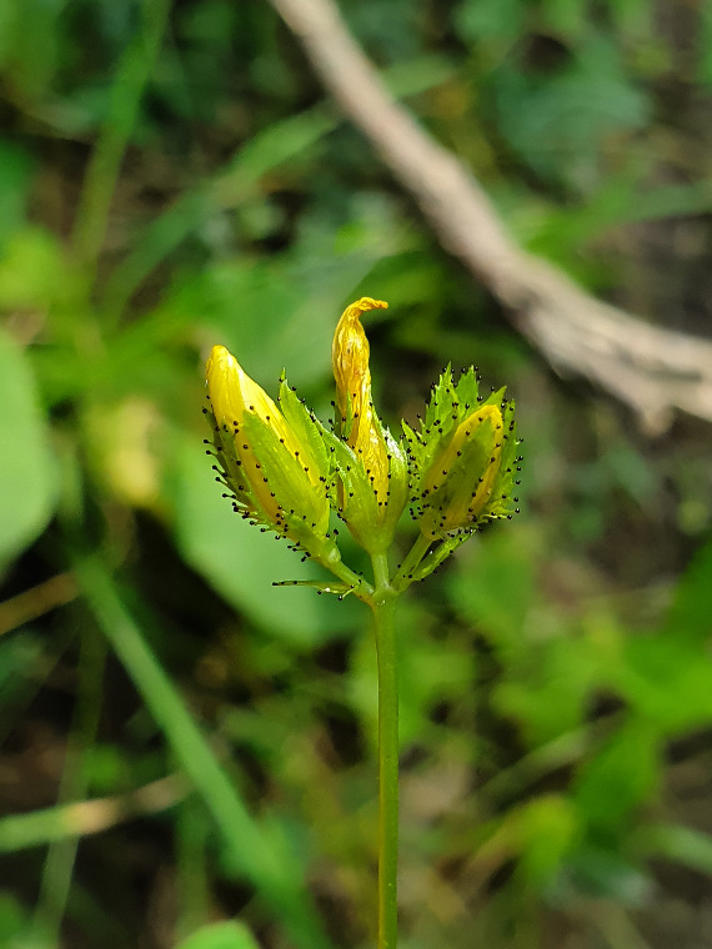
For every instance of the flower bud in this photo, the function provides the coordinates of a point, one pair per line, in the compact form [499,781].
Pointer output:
[274,464]
[462,459]
[370,463]
[356,421]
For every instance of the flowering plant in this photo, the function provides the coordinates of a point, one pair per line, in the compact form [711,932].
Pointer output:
[288,472]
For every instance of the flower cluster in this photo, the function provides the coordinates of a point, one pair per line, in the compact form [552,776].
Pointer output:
[288,472]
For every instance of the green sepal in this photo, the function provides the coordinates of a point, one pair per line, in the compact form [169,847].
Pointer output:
[438,556]
[398,485]
[228,464]
[304,506]
[350,490]
[340,590]
[448,406]
[371,523]
[305,426]
[503,502]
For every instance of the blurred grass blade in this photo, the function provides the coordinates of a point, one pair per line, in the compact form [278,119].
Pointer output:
[59,864]
[684,845]
[249,851]
[129,83]
[278,143]
[63,822]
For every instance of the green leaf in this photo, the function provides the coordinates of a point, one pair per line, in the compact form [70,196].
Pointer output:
[625,773]
[14,183]
[548,692]
[689,616]
[225,935]
[28,475]
[32,270]
[492,24]
[587,101]
[666,681]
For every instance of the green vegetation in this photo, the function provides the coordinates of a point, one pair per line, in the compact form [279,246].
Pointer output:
[184,745]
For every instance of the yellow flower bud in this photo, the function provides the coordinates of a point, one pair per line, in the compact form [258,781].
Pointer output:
[276,475]
[463,497]
[350,353]
[373,474]
[463,462]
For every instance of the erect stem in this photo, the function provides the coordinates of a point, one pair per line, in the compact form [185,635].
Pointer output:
[383,605]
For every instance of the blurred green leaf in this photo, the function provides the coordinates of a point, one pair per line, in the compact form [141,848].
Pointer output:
[624,773]
[30,41]
[547,692]
[689,617]
[667,681]
[33,271]
[28,476]
[491,24]
[548,826]
[606,873]
[493,586]
[15,167]
[586,100]
[12,919]
[225,935]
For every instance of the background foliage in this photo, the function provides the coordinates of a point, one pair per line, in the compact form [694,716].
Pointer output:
[170,177]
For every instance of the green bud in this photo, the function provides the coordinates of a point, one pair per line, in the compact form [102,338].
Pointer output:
[463,458]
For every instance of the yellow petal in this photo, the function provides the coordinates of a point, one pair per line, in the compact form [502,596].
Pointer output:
[233,393]
[464,507]
[350,357]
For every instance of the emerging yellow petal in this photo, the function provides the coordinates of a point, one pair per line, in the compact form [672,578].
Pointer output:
[236,398]
[467,502]
[349,358]
[232,393]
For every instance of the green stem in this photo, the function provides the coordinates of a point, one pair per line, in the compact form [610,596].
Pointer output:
[361,587]
[414,556]
[383,606]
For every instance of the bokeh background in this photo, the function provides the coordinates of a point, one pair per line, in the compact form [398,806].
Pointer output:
[173,175]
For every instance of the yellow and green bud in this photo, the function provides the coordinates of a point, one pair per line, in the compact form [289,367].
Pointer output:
[271,458]
[369,464]
[463,459]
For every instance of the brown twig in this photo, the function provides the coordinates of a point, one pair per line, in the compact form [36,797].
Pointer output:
[40,599]
[653,370]
[78,819]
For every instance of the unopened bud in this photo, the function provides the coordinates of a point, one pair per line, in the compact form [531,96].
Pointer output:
[274,465]
[462,459]
[372,475]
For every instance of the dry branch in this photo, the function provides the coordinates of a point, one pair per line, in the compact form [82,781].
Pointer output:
[653,370]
